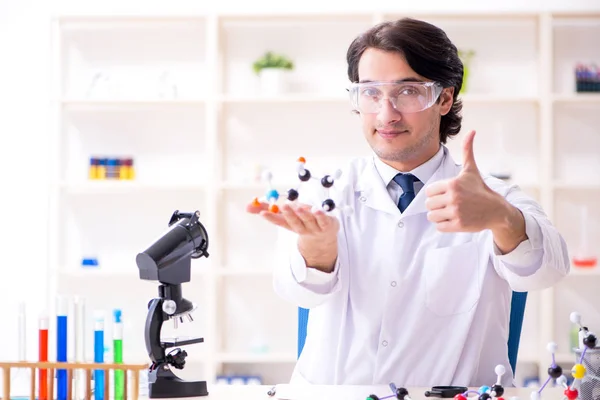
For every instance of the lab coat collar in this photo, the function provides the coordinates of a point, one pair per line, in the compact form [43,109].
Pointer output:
[373,190]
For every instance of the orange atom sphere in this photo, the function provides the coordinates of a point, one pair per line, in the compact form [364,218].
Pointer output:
[301,159]
[255,202]
[273,208]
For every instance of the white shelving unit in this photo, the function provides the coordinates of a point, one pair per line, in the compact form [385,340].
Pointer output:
[199,147]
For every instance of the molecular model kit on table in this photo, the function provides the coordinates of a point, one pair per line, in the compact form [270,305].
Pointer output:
[580,388]
[272,196]
[457,392]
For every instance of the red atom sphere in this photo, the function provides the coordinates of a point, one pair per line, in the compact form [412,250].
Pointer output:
[460,397]
[571,393]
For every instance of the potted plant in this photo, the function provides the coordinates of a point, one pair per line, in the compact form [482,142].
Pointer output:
[465,56]
[271,69]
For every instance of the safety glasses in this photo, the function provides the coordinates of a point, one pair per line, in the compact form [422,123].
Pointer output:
[405,97]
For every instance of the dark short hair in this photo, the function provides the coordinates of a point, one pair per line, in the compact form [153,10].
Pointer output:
[428,51]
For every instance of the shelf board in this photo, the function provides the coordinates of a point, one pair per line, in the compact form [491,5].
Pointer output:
[77,104]
[485,98]
[244,272]
[267,358]
[577,98]
[284,98]
[118,186]
[562,185]
[580,271]
[255,186]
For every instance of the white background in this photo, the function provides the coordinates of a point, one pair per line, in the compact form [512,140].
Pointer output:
[25,118]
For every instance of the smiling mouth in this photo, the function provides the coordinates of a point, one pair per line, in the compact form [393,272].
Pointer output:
[390,134]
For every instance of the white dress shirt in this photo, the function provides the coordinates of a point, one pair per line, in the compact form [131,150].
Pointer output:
[406,303]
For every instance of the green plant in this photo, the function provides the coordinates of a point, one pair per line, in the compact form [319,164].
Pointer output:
[272,60]
[465,56]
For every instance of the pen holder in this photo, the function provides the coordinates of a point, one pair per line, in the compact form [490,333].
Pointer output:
[590,384]
[70,367]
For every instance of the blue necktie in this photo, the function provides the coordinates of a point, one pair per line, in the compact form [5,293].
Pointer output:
[406,182]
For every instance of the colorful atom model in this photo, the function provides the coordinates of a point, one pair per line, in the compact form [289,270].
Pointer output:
[486,392]
[304,175]
[578,371]
[397,393]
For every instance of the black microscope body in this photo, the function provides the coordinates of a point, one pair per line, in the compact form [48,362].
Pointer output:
[168,261]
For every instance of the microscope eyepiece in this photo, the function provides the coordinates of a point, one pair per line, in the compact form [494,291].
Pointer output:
[168,259]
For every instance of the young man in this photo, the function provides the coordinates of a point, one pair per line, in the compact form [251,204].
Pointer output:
[415,286]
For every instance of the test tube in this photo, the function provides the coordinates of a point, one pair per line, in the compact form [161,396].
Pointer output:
[44,322]
[22,334]
[79,338]
[99,355]
[62,310]
[119,375]
[584,258]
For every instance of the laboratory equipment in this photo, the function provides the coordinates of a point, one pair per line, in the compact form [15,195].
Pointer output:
[168,261]
[583,257]
[62,310]
[44,323]
[99,355]
[119,379]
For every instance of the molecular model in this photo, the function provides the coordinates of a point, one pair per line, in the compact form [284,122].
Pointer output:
[304,175]
[485,392]
[397,393]
[578,371]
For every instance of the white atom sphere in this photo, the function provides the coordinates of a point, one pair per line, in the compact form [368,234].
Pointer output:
[552,347]
[338,174]
[575,317]
[561,380]
[500,370]
[535,395]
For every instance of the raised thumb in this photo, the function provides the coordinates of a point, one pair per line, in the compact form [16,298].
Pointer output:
[468,153]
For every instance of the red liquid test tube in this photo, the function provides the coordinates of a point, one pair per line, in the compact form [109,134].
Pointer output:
[43,357]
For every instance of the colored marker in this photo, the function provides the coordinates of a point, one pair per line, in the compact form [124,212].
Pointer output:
[61,347]
[118,354]
[43,356]
[99,356]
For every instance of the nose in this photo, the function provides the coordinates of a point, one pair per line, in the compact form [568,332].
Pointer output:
[388,114]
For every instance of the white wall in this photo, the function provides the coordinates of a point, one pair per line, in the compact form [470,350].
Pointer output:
[26,120]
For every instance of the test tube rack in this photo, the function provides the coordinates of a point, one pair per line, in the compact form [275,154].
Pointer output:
[130,369]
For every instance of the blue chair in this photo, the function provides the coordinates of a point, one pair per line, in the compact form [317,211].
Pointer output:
[517,311]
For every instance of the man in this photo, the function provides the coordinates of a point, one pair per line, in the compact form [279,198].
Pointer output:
[415,286]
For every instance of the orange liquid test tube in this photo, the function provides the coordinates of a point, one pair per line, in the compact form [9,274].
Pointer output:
[43,357]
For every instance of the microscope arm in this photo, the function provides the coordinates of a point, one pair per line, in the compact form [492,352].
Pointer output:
[154,322]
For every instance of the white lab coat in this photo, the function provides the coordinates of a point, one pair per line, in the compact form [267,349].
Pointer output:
[406,303]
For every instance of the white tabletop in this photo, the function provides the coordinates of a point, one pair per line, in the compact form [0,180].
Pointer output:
[319,392]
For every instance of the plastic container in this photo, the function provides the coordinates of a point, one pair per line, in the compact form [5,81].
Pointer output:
[590,384]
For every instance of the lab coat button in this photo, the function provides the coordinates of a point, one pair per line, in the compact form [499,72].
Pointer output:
[400,224]
[384,343]
[362,199]
[393,283]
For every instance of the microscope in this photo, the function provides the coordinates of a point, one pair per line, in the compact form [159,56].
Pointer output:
[168,261]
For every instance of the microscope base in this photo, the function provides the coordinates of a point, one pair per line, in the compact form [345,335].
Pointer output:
[165,384]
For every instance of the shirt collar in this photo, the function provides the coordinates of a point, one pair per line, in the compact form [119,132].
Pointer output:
[423,172]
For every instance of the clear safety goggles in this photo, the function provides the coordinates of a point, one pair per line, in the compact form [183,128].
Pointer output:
[405,97]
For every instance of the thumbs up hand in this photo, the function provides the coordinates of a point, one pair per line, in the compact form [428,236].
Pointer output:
[464,203]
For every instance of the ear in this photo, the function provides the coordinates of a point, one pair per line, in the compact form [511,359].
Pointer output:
[446,100]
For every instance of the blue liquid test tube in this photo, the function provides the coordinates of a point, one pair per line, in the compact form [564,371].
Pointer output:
[99,355]
[62,310]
